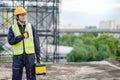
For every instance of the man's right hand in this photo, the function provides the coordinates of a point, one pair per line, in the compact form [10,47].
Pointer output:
[26,35]
[38,60]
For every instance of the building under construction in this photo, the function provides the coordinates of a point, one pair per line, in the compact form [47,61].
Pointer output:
[44,16]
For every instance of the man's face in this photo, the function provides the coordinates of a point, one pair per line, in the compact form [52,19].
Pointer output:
[22,17]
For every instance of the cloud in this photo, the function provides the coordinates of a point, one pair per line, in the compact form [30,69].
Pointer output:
[89,6]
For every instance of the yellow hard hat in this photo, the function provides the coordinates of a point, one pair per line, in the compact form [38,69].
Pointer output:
[19,10]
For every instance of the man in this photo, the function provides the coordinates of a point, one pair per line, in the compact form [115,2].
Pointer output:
[25,43]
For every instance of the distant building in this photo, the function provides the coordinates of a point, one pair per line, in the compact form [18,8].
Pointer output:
[110,24]
[90,27]
[118,26]
[117,35]
[70,27]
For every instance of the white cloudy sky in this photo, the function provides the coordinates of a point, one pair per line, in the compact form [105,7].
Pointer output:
[89,12]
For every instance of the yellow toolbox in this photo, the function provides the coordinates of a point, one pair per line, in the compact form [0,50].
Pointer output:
[40,69]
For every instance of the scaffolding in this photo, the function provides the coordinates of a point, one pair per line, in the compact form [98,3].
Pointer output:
[44,16]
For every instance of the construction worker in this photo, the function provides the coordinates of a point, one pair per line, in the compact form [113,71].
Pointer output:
[25,43]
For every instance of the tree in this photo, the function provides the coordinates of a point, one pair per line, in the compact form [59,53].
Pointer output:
[77,55]
[104,52]
[67,40]
[92,52]
[91,47]
[108,40]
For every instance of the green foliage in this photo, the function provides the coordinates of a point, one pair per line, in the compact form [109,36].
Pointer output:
[78,43]
[103,51]
[77,55]
[67,40]
[1,49]
[108,40]
[118,55]
[92,52]
[88,53]
[44,59]
[90,47]
[5,59]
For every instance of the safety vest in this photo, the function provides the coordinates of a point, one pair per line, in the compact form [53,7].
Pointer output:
[28,43]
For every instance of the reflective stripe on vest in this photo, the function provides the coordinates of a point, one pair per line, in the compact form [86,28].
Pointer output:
[28,43]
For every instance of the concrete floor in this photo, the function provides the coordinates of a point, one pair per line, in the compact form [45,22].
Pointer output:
[71,71]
